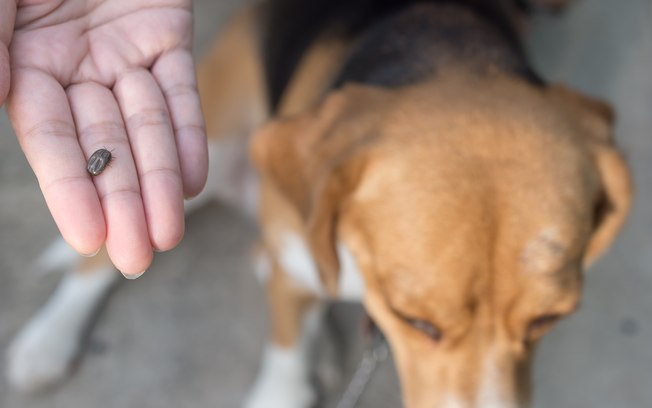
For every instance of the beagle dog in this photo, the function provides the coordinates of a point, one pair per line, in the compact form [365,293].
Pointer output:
[408,157]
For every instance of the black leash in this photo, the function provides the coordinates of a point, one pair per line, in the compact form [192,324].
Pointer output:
[375,354]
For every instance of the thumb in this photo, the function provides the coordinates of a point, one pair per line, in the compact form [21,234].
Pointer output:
[7,18]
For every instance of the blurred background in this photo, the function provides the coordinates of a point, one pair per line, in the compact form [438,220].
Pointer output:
[189,332]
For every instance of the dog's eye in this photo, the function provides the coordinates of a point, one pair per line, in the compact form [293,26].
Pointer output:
[426,328]
[540,325]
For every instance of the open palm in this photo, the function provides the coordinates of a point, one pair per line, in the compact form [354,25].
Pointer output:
[119,75]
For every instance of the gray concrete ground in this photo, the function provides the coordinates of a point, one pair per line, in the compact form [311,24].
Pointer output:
[188,333]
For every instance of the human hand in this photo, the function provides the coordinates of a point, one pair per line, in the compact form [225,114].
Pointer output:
[114,74]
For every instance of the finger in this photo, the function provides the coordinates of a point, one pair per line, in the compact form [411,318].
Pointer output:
[40,113]
[175,74]
[99,125]
[7,19]
[155,154]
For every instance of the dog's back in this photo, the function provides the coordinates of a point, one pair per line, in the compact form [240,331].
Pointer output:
[393,42]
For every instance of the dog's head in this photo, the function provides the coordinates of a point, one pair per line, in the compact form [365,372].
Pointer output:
[471,207]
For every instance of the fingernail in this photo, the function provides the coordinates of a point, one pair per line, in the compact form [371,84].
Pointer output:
[134,276]
[92,254]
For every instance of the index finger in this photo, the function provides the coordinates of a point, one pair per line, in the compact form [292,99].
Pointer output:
[39,109]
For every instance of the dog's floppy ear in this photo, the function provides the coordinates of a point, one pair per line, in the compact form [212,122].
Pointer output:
[596,119]
[314,160]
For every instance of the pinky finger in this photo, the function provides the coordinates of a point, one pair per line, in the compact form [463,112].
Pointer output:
[175,74]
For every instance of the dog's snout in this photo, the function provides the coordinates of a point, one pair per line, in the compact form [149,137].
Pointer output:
[473,376]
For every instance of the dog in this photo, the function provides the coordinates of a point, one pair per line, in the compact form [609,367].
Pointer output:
[407,157]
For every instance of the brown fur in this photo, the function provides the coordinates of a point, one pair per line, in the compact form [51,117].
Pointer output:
[230,78]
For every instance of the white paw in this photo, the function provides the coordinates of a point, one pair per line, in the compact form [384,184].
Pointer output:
[43,351]
[40,356]
[281,394]
[282,382]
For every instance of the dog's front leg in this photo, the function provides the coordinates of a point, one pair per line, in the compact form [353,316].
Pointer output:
[42,352]
[283,377]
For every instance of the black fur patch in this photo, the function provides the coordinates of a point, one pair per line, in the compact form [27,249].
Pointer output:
[395,42]
[292,25]
[410,46]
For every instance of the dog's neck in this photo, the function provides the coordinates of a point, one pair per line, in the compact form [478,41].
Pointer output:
[413,45]
[396,42]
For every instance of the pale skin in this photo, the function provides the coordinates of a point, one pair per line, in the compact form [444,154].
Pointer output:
[80,75]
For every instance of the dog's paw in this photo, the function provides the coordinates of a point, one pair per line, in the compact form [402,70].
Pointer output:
[279,393]
[42,352]
[282,382]
[40,356]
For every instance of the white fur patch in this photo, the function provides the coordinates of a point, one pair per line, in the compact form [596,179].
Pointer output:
[282,381]
[283,377]
[452,401]
[490,394]
[297,261]
[42,352]
[351,285]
